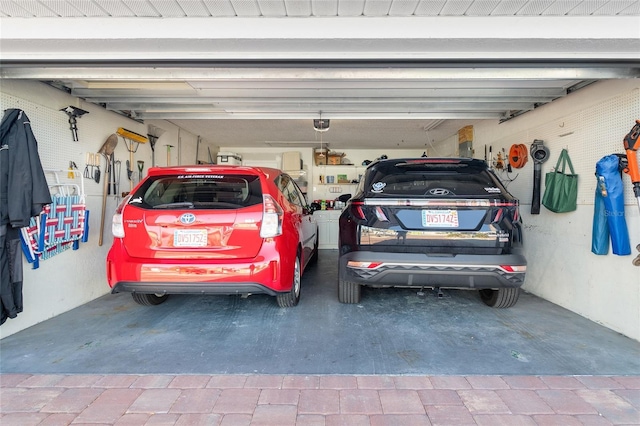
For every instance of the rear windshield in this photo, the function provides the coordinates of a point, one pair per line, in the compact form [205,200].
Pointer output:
[431,180]
[199,192]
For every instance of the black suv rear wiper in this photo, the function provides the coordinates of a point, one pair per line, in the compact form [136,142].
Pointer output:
[183,204]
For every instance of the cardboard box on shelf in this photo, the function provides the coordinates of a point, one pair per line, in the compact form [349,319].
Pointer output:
[229,158]
[320,156]
[335,158]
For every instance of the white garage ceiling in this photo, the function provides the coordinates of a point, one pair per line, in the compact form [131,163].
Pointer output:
[256,72]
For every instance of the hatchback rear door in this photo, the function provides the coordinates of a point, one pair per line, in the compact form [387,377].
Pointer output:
[195,215]
[446,206]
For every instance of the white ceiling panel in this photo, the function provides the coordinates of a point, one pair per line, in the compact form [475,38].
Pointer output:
[246,7]
[117,8]
[429,7]
[33,8]
[273,8]
[9,8]
[218,8]
[561,7]
[169,8]
[63,8]
[614,7]
[193,8]
[509,8]
[403,7]
[351,7]
[587,7]
[146,9]
[377,7]
[482,7]
[88,8]
[632,10]
[456,7]
[535,7]
[300,8]
[324,8]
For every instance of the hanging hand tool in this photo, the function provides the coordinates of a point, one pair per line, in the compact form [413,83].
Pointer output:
[74,113]
[72,168]
[133,141]
[96,162]
[631,146]
[117,166]
[140,168]
[169,154]
[539,154]
[112,181]
[106,149]
[129,170]
[88,162]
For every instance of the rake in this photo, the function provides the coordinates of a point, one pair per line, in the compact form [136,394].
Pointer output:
[132,140]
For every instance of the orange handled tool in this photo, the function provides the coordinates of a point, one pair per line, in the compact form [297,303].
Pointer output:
[631,146]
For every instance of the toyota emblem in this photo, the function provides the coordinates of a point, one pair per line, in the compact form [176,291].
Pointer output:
[188,218]
[439,191]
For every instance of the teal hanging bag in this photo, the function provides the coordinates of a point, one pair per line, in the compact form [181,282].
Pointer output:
[561,188]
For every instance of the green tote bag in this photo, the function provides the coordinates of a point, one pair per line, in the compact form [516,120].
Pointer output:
[561,189]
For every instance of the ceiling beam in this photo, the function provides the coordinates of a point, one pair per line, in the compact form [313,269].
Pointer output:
[345,73]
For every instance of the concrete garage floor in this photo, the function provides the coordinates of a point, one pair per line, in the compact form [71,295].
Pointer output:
[393,338]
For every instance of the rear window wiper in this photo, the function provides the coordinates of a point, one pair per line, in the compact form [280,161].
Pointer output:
[182,204]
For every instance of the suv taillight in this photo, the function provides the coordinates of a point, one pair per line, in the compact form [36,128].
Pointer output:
[356,208]
[272,215]
[117,228]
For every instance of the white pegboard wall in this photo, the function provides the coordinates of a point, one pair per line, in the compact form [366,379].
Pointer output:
[588,135]
[55,142]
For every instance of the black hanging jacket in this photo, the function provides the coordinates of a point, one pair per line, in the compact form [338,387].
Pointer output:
[22,179]
[23,193]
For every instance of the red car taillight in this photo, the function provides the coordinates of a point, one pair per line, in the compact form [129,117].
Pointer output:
[272,215]
[117,228]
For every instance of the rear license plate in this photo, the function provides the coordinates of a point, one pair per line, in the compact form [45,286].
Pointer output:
[190,238]
[440,218]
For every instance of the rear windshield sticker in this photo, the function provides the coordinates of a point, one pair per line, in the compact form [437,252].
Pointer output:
[378,186]
[200,177]
[492,190]
[136,200]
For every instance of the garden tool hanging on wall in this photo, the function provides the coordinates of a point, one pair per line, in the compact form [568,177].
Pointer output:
[140,169]
[154,133]
[74,113]
[132,140]
[539,154]
[106,150]
[169,154]
[631,168]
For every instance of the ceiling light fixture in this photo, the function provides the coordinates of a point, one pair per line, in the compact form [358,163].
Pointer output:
[321,126]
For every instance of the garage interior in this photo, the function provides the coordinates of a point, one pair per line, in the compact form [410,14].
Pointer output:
[397,78]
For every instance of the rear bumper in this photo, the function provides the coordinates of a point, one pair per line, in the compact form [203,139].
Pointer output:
[421,270]
[268,273]
[192,288]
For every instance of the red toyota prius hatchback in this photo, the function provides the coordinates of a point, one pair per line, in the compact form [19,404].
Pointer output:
[212,230]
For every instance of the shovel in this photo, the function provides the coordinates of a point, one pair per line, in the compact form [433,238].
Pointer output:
[106,150]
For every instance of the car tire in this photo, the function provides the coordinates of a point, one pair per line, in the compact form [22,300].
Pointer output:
[500,298]
[349,292]
[291,298]
[146,299]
